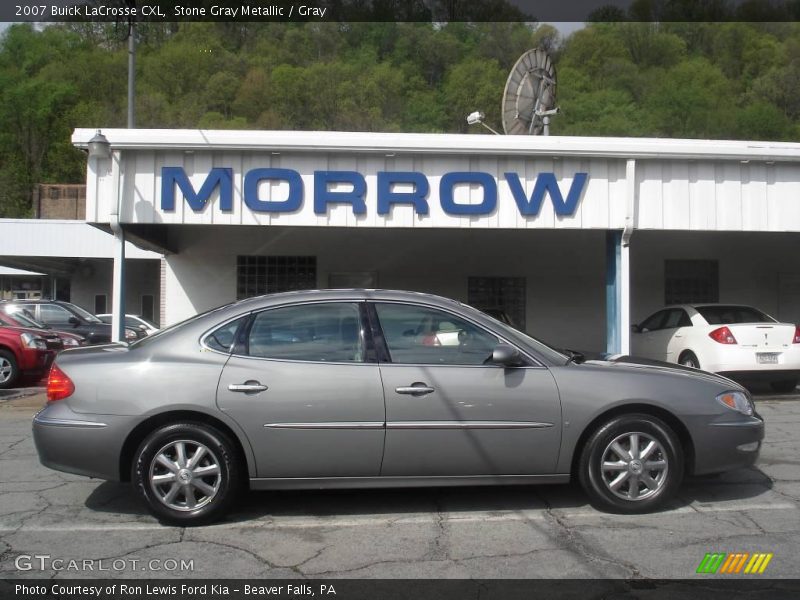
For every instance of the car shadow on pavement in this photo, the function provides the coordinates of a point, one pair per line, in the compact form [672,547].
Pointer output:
[743,484]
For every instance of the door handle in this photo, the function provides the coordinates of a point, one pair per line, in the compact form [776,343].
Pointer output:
[415,389]
[248,387]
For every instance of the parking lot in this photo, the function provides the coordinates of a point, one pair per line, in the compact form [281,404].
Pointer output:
[58,525]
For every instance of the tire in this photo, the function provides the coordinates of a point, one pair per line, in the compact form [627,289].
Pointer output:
[625,498]
[187,497]
[9,370]
[688,359]
[784,386]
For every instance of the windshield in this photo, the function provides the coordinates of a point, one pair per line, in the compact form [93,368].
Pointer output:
[84,314]
[728,315]
[23,318]
[157,334]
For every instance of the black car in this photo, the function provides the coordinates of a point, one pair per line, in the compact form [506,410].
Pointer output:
[66,316]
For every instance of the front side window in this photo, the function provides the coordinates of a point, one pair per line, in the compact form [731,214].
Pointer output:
[654,322]
[421,335]
[329,332]
[52,313]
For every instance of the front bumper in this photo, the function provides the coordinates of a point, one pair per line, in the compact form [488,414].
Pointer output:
[83,444]
[727,443]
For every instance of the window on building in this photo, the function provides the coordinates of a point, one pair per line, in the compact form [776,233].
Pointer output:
[100,301]
[691,281]
[501,297]
[148,307]
[256,275]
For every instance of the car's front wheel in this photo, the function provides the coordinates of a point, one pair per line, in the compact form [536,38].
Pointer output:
[632,463]
[9,371]
[187,473]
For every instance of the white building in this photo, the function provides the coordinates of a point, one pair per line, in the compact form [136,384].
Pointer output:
[574,238]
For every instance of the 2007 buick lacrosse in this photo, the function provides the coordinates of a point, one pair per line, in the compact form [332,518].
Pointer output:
[355,388]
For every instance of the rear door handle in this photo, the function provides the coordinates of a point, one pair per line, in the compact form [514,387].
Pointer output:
[415,389]
[248,387]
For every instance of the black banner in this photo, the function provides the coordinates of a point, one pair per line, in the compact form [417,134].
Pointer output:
[399,10]
[703,587]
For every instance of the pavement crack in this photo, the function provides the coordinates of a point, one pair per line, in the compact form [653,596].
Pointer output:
[573,543]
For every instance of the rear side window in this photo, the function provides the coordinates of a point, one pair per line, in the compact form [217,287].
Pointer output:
[726,315]
[329,332]
[223,338]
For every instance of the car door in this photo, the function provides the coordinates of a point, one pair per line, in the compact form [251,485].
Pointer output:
[448,413]
[300,385]
[649,341]
[677,327]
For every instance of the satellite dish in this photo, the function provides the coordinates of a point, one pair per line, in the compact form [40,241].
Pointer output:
[530,93]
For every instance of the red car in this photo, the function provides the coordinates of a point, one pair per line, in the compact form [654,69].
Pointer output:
[51,336]
[23,353]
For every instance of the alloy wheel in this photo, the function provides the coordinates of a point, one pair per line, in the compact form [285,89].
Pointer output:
[185,475]
[634,466]
[6,369]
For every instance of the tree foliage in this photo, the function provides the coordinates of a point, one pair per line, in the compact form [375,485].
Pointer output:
[733,80]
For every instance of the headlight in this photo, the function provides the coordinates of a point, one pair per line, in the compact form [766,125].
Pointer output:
[738,401]
[31,341]
[70,341]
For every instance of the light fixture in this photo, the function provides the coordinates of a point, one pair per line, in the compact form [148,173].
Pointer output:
[99,147]
[476,118]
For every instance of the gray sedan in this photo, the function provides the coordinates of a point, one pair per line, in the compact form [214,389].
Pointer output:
[354,388]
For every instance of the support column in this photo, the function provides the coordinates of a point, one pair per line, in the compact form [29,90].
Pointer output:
[618,329]
[118,288]
[118,280]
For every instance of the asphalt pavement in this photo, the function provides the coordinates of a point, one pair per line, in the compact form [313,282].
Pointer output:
[58,525]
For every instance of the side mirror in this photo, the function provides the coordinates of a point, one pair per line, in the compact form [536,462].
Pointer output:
[74,321]
[636,329]
[506,355]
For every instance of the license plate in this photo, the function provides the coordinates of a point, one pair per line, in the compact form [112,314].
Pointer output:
[767,358]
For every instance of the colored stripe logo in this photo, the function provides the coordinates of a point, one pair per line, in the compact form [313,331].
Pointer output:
[734,563]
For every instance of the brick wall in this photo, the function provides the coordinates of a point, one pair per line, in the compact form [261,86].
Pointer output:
[60,201]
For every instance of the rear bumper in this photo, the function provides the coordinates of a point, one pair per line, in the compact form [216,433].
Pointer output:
[82,444]
[728,443]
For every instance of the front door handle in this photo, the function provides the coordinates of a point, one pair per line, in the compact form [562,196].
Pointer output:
[415,389]
[248,387]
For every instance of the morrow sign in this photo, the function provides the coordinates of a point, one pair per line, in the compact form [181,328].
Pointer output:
[393,188]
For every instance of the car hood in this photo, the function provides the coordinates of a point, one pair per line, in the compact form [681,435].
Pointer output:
[628,362]
[42,333]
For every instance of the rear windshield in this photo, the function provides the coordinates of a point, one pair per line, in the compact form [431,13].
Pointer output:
[725,315]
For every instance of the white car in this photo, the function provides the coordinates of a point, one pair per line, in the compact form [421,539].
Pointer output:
[133,322]
[738,341]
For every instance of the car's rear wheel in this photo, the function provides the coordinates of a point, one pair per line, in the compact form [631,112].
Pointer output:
[688,359]
[187,473]
[784,386]
[632,463]
[9,370]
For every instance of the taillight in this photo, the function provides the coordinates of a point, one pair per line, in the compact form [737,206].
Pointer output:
[722,335]
[59,386]
[796,339]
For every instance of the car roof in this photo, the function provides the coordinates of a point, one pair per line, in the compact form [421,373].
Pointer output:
[346,294]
